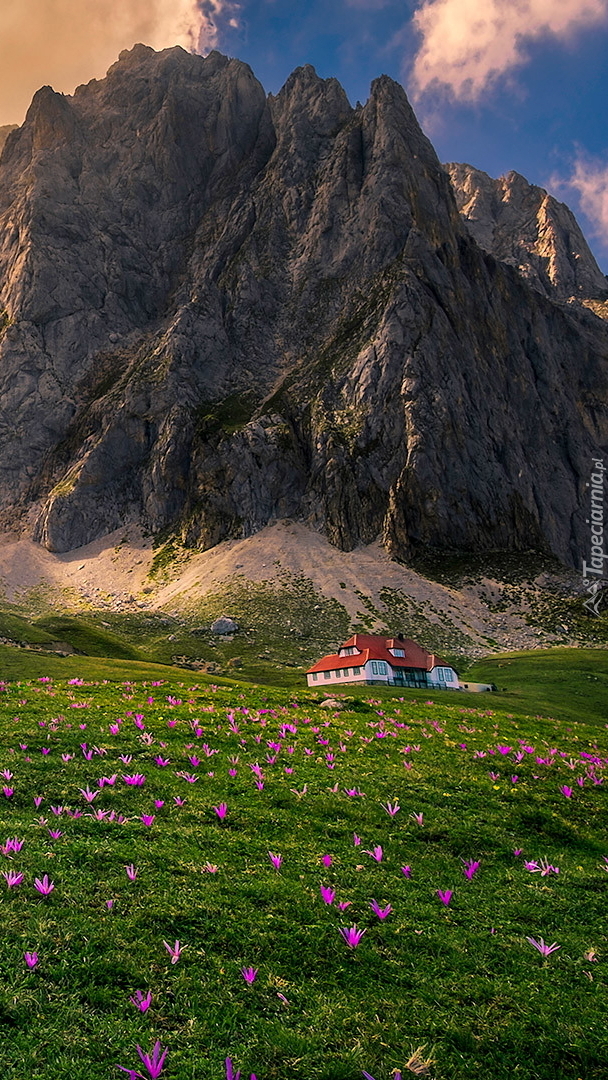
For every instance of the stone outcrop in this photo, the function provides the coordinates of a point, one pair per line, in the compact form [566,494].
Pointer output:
[221,308]
[520,224]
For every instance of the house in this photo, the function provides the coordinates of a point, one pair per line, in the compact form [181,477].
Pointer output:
[396,661]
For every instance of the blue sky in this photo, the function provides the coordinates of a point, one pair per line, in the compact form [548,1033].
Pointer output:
[497,83]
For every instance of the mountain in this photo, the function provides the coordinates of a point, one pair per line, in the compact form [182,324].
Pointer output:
[520,224]
[221,308]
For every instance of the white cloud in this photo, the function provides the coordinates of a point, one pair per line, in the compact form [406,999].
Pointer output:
[468,44]
[66,42]
[590,180]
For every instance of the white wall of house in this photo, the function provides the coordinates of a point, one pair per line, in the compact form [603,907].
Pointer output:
[445,676]
[332,678]
[475,687]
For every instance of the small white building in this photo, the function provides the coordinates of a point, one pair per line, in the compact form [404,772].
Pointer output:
[370,658]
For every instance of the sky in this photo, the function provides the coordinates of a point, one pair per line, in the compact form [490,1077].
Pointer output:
[500,84]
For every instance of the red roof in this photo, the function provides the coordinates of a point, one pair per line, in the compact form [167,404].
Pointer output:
[376,647]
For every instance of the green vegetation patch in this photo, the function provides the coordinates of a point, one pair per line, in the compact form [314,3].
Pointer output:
[450,835]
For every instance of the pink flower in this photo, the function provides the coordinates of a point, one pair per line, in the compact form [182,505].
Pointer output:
[380,912]
[148,820]
[249,974]
[328,894]
[391,808]
[326,860]
[276,860]
[12,878]
[221,810]
[352,936]
[406,871]
[44,887]
[376,853]
[174,951]
[141,1001]
[544,950]
[445,895]
[470,868]
[31,959]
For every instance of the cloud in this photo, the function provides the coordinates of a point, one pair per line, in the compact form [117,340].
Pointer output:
[590,180]
[468,44]
[66,42]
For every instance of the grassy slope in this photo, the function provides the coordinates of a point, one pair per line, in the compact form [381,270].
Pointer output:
[569,683]
[461,980]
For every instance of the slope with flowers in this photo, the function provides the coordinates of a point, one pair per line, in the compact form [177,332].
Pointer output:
[220,872]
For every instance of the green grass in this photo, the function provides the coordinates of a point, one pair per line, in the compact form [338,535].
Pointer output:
[460,980]
[570,683]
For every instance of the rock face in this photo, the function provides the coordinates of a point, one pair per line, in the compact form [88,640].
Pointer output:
[220,308]
[522,225]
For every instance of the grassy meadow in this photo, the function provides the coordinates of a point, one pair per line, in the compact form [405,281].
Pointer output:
[388,802]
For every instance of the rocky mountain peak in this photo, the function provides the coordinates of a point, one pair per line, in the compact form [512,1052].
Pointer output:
[522,225]
[218,309]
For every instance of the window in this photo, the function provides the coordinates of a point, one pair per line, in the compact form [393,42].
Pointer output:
[356,671]
[345,673]
[315,677]
[327,674]
[378,667]
[398,652]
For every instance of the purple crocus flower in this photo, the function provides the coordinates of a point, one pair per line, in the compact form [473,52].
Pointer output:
[376,853]
[174,950]
[148,820]
[45,886]
[131,872]
[328,895]
[406,871]
[88,794]
[391,808]
[352,936]
[418,818]
[249,974]
[221,810]
[153,1062]
[31,959]
[445,895]
[12,878]
[567,791]
[544,950]
[142,1001]
[380,912]
[470,868]
[276,860]
[326,860]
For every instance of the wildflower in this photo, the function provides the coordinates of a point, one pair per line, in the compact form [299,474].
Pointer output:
[177,799]
[131,872]
[147,819]
[406,871]
[356,840]
[445,895]
[544,950]
[135,779]
[141,1001]
[470,868]
[566,791]
[352,936]
[221,810]
[328,895]
[418,818]
[376,853]
[31,959]
[56,833]
[44,887]
[87,794]
[276,860]
[249,974]
[344,904]
[153,1062]
[326,860]
[391,808]
[380,912]
[210,868]
[12,878]
[174,951]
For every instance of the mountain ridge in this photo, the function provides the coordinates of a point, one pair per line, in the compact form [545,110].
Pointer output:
[223,308]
